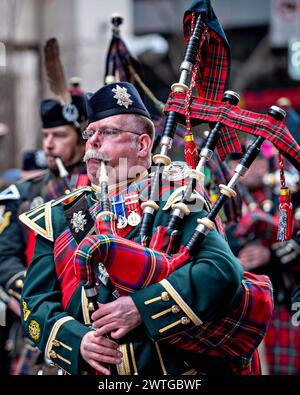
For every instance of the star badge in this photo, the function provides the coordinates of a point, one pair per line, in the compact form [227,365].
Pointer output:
[70,112]
[122,96]
[78,221]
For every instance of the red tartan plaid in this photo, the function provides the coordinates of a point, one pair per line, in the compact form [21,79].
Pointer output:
[282,344]
[243,120]
[147,266]
[212,76]
[214,67]
[259,223]
[235,336]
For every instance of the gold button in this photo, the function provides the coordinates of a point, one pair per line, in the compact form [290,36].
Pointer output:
[53,354]
[19,283]
[56,343]
[185,320]
[175,309]
[165,297]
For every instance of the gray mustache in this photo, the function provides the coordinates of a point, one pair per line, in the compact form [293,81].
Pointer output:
[93,154]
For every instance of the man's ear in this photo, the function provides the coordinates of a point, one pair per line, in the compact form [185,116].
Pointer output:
[144,145]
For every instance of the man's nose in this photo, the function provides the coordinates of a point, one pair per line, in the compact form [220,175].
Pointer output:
[49,142]
[96,140]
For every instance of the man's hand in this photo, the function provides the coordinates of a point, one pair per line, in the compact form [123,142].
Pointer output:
[254,256]
[99,350]
[117,318]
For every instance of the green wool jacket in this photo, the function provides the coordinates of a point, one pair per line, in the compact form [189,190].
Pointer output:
[19,198]
[203,288]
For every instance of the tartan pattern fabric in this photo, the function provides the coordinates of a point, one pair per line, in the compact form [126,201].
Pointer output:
[236,336]
[243,120]
[214,68]
[64,248]
[282,343]
[55,187]
[259,223]
[147,266]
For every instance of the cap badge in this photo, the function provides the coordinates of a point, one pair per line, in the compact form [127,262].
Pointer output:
[122,96]
[70,112]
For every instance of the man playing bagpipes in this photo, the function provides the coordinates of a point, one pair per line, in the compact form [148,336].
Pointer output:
[191,308]
[55,308]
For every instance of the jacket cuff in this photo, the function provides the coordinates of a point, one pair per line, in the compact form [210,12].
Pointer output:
[15,284]
[63,345]
[163,310]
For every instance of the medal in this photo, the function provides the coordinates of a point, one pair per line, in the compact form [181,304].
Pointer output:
[122,222]
[118,208]
[134,218]
[132,208]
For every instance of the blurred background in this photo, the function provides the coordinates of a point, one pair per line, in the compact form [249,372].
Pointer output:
[264,36]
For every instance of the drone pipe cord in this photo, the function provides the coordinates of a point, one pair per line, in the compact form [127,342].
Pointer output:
[206,224]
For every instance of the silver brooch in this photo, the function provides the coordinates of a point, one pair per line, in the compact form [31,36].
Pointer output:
[78,221]
[122,96]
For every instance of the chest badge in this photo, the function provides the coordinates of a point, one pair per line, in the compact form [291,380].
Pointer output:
[78,221]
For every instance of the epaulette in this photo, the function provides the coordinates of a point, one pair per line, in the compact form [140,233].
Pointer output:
[37,176]
[10,193]
[40,219]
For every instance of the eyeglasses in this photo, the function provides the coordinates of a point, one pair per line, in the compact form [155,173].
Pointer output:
[109,134]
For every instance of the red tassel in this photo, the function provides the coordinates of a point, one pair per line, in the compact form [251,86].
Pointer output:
[285,226]
[191,152]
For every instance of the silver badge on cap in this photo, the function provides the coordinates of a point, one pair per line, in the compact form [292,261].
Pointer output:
[122,96]
[70,112]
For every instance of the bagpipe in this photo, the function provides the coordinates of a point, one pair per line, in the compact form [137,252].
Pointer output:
[63,173]
[153,257]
